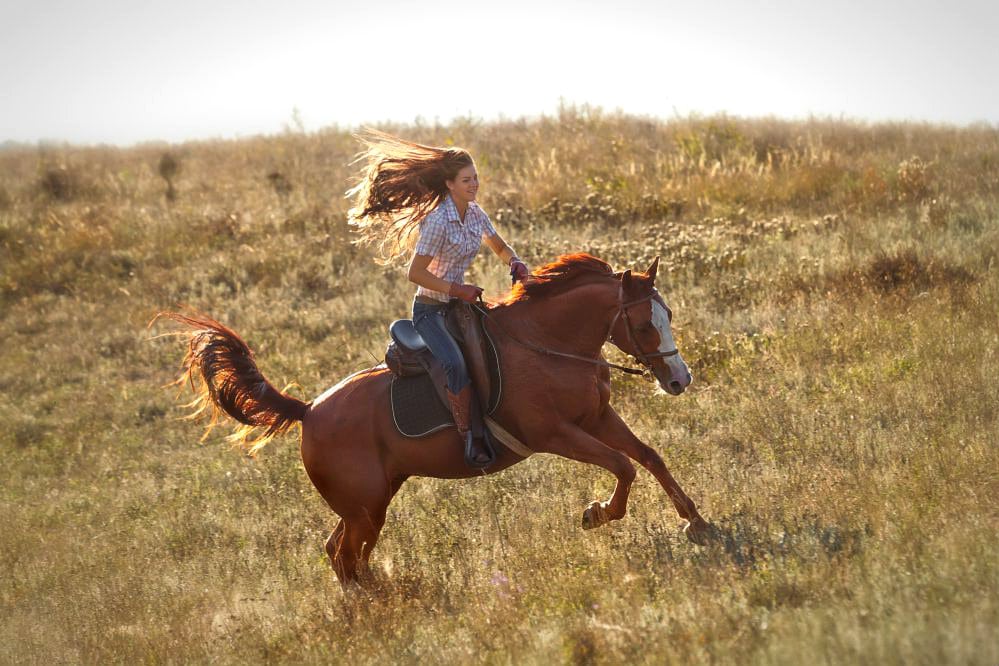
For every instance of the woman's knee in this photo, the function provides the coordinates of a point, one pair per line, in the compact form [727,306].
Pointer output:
[445,350]
[454,364]
[457,373]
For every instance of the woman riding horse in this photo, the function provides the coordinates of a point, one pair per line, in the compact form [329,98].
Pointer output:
[408,185]
[549,333]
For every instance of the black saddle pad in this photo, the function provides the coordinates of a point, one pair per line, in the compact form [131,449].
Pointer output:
[416,409]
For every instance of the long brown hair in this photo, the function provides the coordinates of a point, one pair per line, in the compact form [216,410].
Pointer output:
[401,183]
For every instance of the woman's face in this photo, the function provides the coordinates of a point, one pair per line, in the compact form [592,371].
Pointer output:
[465,185]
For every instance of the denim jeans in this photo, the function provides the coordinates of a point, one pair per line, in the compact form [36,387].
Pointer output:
[429,323]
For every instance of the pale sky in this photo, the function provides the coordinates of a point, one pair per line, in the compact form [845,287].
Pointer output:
[125,71]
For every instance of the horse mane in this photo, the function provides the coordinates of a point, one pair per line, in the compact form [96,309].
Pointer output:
[557,277]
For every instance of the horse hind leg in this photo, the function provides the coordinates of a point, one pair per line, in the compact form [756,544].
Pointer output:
[349,548]
[333,545]
[350,544]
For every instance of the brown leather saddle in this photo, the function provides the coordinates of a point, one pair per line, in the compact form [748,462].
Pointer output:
[418,394]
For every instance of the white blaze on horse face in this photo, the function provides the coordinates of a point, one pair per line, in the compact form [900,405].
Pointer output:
[677,367]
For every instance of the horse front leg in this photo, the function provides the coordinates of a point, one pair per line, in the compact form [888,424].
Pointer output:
[615,433]
[574,443]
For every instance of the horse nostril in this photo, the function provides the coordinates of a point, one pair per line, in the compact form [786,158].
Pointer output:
[675,386]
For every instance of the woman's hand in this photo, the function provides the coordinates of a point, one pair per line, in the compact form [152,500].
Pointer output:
[518,271]
[466,292]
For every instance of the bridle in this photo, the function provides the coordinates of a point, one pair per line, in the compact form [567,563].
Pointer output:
[622,311]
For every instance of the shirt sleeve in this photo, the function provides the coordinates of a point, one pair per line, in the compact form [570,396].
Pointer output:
[487,225]
[431,237]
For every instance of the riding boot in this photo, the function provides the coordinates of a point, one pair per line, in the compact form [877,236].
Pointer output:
[478,453]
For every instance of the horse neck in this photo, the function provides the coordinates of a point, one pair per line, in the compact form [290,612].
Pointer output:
[575,321]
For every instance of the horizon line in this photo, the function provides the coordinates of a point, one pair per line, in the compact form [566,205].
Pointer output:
[296,128]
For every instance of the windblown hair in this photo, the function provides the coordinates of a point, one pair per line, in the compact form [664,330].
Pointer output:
[224,377]
[557,277]
[402,182]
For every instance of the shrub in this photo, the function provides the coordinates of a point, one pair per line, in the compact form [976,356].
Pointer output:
[169,166]
[59,183]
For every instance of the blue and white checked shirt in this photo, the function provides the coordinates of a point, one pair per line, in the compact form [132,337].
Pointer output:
[452,244]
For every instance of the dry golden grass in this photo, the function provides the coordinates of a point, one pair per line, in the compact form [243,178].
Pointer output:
[835,289]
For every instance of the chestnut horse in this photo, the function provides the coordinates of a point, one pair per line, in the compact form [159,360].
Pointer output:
[555,402]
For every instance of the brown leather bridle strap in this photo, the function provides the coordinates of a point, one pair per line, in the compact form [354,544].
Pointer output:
[622,310]
[640,356]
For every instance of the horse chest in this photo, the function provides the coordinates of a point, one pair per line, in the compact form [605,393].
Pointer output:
[604,391]
[592,396]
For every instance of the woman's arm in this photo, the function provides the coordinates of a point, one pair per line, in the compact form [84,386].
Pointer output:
[518,269]
[418,274]
[500,247]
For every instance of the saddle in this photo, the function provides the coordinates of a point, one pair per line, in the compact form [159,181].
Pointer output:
[418,394]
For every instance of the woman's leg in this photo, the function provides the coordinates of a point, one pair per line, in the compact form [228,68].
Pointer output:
[429,323]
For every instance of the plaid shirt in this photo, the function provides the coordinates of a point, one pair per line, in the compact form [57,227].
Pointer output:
[452,244]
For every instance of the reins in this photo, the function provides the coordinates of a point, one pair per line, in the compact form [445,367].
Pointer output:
[641,357]
[552,352]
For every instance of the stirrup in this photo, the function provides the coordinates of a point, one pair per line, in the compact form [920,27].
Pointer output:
[486,449]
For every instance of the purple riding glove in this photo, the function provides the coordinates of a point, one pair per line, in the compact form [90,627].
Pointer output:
[466,292]
[518,271]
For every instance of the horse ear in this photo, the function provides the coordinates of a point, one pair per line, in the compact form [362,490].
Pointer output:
[626,280]
[653,268]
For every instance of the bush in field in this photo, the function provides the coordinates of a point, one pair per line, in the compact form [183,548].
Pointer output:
[913,180]
[168,168]
[59,183]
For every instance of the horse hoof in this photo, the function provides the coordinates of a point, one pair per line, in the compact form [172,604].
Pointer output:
[699,532]
[595,515]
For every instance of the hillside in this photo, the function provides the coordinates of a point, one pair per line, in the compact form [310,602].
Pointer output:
[835,287]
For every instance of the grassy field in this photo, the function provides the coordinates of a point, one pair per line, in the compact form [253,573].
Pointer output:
[836,291]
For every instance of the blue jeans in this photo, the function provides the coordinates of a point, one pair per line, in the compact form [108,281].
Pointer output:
[429,323]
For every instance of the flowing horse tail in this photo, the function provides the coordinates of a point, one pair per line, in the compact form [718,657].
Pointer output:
[220,368]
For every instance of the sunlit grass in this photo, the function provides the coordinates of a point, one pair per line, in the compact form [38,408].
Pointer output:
[835,293]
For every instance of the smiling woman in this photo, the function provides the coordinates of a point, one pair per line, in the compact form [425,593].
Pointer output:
[409,189]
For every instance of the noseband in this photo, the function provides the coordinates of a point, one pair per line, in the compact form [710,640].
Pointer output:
[622,312]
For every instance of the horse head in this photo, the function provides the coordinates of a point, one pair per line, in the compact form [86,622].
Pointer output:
[642,328]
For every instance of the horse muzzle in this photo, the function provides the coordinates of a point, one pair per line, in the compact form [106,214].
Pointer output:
[671,379]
